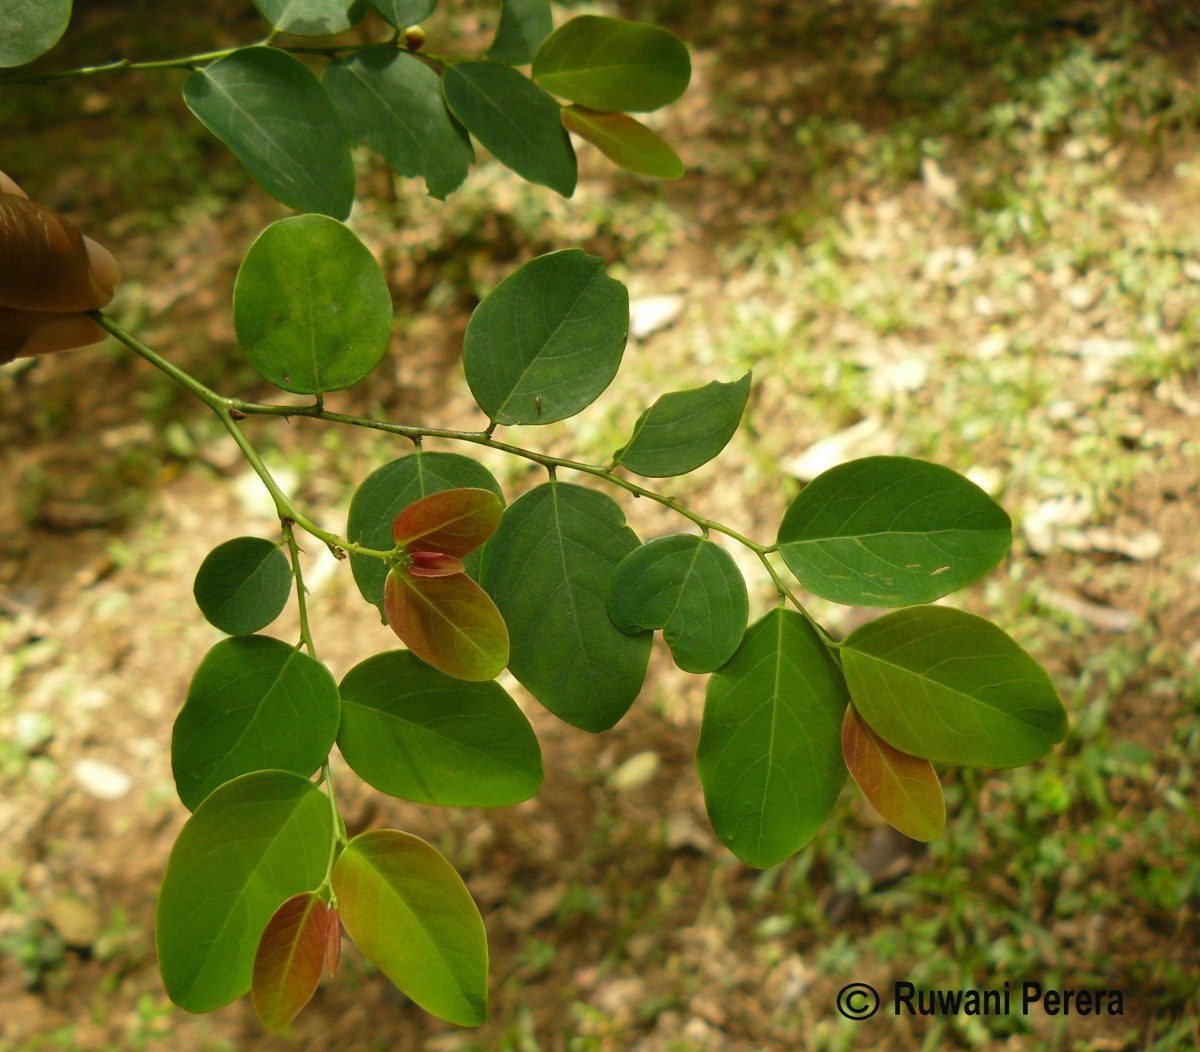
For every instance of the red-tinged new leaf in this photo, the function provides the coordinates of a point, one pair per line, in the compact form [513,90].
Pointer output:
[435,564]
[624,141]
[448,622]
[291,954]
[333,943]
[904,789]
[453,522]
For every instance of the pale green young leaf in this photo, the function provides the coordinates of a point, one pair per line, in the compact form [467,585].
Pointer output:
[951,687]
[612,65]
[252,844]
[412,916]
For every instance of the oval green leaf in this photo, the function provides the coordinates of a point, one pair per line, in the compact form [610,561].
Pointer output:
[270,110]
[452,522]
[891,531]
[251,845]
[904,789]
[514,119]
[951,687]
[524,24]
[625,142]
[688,587]
[311,307]
[770,750]
[393,102]
[548,567]
[312,18]
[612,65]
[387,491]
[404,13]
[685,429]
[290,959]
[461,744]
[547,340]
[411,915]
[450,622]
[254,703]
[29,28]
[243,585]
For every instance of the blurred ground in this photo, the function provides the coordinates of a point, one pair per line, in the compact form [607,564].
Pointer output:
[963,231]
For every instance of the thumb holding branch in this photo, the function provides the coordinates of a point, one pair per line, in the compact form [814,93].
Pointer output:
[49,275]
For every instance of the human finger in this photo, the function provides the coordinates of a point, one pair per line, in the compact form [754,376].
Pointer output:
[26,333]
[46,264]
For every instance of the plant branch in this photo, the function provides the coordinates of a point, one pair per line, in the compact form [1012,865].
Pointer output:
[306,638]
[225,409]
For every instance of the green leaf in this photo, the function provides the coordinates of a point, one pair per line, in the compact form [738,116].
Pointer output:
[411,915]
[243,585]
[514,119]
[387,491]
[311,306]
[312,18]
[904,789]
[688,587]
[453,522]
[890,531]
[251,845]
[254,703]
[685,429]
[547,340]
[548,567]
[404,13]
[524,24]
[270,110]
[770,750]
[393,102]
[290,958]
[951,687]
[625,142]
[29,28]
[449,622]
[612,65]
[459,744]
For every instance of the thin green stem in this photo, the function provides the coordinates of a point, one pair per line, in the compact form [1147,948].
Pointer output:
[306,638]
[338,836]
[225,409]
[785,593]
[484,438]
[201,58]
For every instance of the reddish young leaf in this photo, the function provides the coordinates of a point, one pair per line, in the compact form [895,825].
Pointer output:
[449,622]
[333,943]
[452,522]
[291,954]
[904,789]
[435,564]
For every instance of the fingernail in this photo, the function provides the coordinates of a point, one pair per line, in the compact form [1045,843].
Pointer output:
[105,268]
[7,186]
[62,334]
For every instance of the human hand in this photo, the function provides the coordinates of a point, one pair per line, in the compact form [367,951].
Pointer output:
[49,274]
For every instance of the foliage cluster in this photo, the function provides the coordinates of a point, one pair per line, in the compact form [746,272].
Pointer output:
[555,586]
